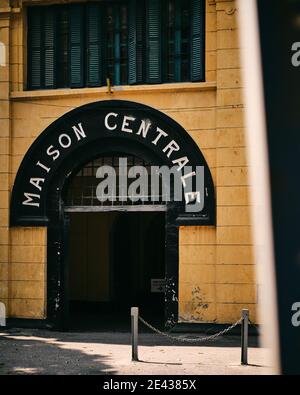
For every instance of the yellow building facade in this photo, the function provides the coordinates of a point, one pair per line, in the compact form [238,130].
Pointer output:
[216,268]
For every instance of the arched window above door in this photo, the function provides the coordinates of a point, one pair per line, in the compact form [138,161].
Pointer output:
[84,190]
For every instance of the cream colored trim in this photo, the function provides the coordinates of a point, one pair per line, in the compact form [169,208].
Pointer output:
[123,90]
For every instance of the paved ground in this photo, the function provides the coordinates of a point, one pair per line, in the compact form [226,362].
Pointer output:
[47,352]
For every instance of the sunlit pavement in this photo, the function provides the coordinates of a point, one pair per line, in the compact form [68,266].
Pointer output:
[47,352]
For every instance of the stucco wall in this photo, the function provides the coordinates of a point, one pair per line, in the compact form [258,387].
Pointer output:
[216,273]
[216,265]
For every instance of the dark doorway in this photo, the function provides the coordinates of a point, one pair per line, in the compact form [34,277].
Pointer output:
[113,259]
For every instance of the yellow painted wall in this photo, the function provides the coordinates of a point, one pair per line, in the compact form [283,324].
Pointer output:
[216,272]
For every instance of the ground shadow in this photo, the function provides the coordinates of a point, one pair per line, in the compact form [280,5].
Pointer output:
[22,356]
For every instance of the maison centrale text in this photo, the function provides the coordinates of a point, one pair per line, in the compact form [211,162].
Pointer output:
[113,122]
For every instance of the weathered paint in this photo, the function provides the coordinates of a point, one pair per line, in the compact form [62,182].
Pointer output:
[216,276]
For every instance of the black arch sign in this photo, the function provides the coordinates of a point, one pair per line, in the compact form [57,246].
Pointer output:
[94,129]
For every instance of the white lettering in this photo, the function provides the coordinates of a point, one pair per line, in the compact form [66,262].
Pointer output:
[183,178]
[181,162]
[54,153]
[126,124]
[144,128]
[29,199]
[192,196]
[36,182]
[43,166]
[79,132]
[67,137]
[111,114]
[120,385]
[172,146]
[160,133]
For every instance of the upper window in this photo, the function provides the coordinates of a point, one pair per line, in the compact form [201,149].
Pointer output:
[129,42]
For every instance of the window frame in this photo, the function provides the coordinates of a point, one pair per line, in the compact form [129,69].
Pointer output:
[163,78]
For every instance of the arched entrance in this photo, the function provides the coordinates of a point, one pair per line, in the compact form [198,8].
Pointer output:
[99,129]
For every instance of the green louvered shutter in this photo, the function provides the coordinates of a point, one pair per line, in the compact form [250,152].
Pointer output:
[198,41]
[135,41]
[49,48]
[140,53]
[94,45]
[35,48]
[76,45]
[117,46]
[153,42]
[132,43]
[177,40]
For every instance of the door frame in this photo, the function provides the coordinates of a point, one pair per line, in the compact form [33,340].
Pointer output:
[58,273]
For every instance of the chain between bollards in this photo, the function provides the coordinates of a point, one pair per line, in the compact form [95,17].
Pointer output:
[244,320]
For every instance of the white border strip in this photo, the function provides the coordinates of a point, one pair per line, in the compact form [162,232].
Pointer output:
[259,176]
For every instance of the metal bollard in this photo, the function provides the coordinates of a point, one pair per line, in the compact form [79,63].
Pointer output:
[134,332]
[244,339]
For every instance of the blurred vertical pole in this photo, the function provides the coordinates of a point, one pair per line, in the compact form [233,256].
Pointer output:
[268,30]
[259,175]
[134,332]
[244,337]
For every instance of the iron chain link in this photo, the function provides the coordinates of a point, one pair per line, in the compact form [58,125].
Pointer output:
[190,340]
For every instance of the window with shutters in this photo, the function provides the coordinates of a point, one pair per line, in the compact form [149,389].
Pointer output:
[126,41]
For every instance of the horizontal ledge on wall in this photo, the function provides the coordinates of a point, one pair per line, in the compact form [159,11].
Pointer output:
[30,221]
[123,208]
[124,89]
[190,220]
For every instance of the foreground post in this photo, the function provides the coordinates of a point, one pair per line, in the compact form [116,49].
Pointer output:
[134,332]
[244,341]
[2,314]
